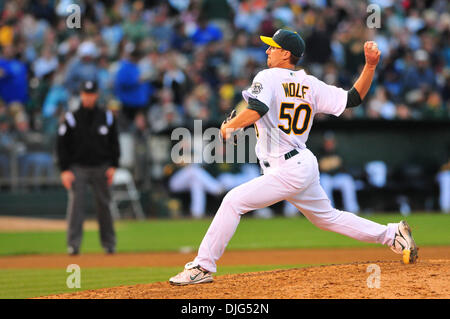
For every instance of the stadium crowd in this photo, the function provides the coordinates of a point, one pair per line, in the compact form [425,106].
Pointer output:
[160,64]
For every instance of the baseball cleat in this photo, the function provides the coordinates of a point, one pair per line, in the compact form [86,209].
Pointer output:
[404,243]
[192,274]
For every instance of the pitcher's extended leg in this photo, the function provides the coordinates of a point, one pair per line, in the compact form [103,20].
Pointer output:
[257,193]
[314,204]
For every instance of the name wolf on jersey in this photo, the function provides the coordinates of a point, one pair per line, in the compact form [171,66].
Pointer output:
[295,90]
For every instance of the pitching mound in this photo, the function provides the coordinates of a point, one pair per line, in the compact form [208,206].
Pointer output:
[425,279]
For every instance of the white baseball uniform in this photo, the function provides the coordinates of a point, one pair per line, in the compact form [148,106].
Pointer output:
[293,98]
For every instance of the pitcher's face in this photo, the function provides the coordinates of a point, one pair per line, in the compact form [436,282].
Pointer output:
[276,56]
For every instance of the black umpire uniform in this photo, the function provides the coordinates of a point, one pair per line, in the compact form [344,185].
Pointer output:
[88,153]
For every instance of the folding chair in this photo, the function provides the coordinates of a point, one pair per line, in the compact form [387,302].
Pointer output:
[124,189]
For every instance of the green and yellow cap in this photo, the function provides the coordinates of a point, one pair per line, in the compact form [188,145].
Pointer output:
[287,40]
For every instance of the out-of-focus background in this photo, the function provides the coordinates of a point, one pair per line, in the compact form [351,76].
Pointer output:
[194,57]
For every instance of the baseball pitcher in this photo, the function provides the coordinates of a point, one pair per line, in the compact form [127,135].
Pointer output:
[282,103]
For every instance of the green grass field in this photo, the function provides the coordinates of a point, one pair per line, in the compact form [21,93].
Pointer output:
[171,235]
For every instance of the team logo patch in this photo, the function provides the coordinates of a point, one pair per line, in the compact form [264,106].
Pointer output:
[256,88]
[103,130]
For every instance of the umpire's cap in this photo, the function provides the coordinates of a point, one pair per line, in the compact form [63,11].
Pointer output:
[89,86]
[287,40]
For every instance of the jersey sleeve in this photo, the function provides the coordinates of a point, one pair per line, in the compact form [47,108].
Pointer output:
[329,99]
[63,142]
[261,89]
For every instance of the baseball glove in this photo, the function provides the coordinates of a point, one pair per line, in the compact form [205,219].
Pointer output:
[231,116]
[234,136]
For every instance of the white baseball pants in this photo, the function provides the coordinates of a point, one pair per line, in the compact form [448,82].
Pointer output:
[297,181]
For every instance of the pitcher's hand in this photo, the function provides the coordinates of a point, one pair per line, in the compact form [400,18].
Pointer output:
[371,53]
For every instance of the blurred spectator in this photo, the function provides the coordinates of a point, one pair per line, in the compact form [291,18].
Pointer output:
[141,133]
[13,77]
[199,104]
[381,106]
[267,26]
[149,65]
[393,84]
[250,14]
[333,175]
[46,63]
[84,67]
[173,77]
[225,108]
[206,33]
[57,97]
[353,44]
[419,74]
[414,22]
[162,29]
[38,91]
[131,87]
[178,40]
[403,112]
[239,54]
[165,114]
[186,43]
[6,32]
[319,44]
[217,9]
[282,11]
[112,34]
[134,27]
[43,9]
[34,150]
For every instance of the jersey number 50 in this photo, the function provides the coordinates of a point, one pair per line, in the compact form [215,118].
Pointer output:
[293,121]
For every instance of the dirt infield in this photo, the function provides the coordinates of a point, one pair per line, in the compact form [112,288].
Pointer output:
[426,279]
[14,224]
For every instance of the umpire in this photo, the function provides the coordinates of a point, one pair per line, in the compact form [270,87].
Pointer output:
[88,153]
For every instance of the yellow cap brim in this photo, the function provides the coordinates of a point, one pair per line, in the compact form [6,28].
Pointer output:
[269,41]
